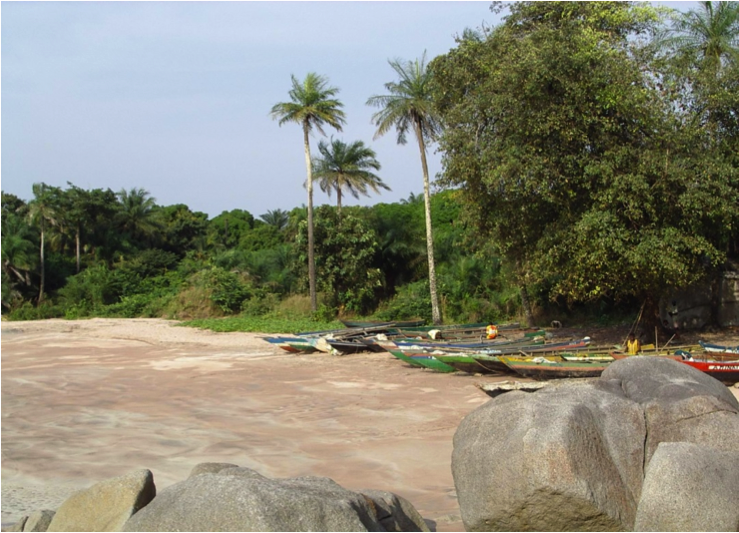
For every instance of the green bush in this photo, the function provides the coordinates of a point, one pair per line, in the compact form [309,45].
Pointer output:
[27,311]
[411,301]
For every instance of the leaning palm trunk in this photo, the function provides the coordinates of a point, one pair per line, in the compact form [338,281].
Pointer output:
[435,312]
[311,257]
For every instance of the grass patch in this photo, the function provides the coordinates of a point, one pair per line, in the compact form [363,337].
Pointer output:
[262,324]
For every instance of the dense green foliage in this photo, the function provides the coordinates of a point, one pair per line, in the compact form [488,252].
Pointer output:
[591,163]
[577,161]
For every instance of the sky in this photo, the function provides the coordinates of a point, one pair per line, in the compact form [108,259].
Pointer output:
[174,97]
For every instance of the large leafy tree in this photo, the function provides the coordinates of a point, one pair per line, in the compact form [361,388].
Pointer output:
[347,249]
[347,167]
[571,158]
[312,105]
[408,106]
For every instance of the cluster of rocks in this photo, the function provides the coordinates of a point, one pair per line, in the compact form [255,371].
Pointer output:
[651,445]
[225,497]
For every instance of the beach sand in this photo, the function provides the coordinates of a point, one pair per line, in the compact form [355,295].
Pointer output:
[83,401]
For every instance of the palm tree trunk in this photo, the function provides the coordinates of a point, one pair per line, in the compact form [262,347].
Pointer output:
[338,201]
[435,311]
[77,242]
[311,257]
[41,285]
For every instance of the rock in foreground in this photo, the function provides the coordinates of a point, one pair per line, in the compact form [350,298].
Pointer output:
[572,456]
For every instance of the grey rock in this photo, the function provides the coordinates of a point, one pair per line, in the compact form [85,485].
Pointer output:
[239,501]
[681,404]
[19,525]
[690,488]
[39,520]
[106,506]
[645,379]
[394,512]
[210,468]
[568,457]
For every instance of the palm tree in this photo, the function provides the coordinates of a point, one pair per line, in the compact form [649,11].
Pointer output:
[409,106]
[42,211]
[136,216]
[312,104]
[347,167]
[711,33]
[17,256]
[277,218]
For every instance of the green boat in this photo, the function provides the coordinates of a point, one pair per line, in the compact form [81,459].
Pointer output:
[541,368]
[464,363]
[425,361]
[406,359]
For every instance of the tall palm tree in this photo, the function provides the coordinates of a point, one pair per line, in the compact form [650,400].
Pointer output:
[347,167]
[136,215]
[42,210]
[312,105]
[409,106]
[711,33]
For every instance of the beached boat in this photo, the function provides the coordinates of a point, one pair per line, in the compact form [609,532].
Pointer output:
[724,371]
[528,338]
[424,361]
[376,323]
[463,363]
[587,357]
[708,347]
[542,368]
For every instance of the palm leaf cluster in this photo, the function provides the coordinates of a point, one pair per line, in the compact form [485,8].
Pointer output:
[347,167]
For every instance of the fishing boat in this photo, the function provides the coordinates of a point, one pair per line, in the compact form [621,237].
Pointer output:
[376,323]
[543,368]
[463,363]
[587,357]
[724,371]
[423,361]
[717,348]
[532,337]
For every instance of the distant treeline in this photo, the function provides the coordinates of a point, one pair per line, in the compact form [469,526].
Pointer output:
[590,165]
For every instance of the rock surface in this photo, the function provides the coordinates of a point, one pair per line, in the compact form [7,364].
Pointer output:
[690,488]
[106,506]
[551,460]
[572,456]
[240,499]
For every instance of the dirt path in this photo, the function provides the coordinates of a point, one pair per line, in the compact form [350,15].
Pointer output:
[87,400]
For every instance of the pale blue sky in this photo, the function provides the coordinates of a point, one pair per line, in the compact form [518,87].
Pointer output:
[175,97]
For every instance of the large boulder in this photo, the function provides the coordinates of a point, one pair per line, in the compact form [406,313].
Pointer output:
[690,488]
[240,499]
[565,458]
[106,506]
[571,456]
[681,404]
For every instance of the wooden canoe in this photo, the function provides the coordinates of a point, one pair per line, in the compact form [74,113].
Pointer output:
[724,371]
[541,368]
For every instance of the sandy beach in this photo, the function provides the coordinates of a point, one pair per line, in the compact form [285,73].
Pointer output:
[83,401]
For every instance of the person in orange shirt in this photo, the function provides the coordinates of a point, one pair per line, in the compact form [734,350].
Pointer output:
[491,331]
